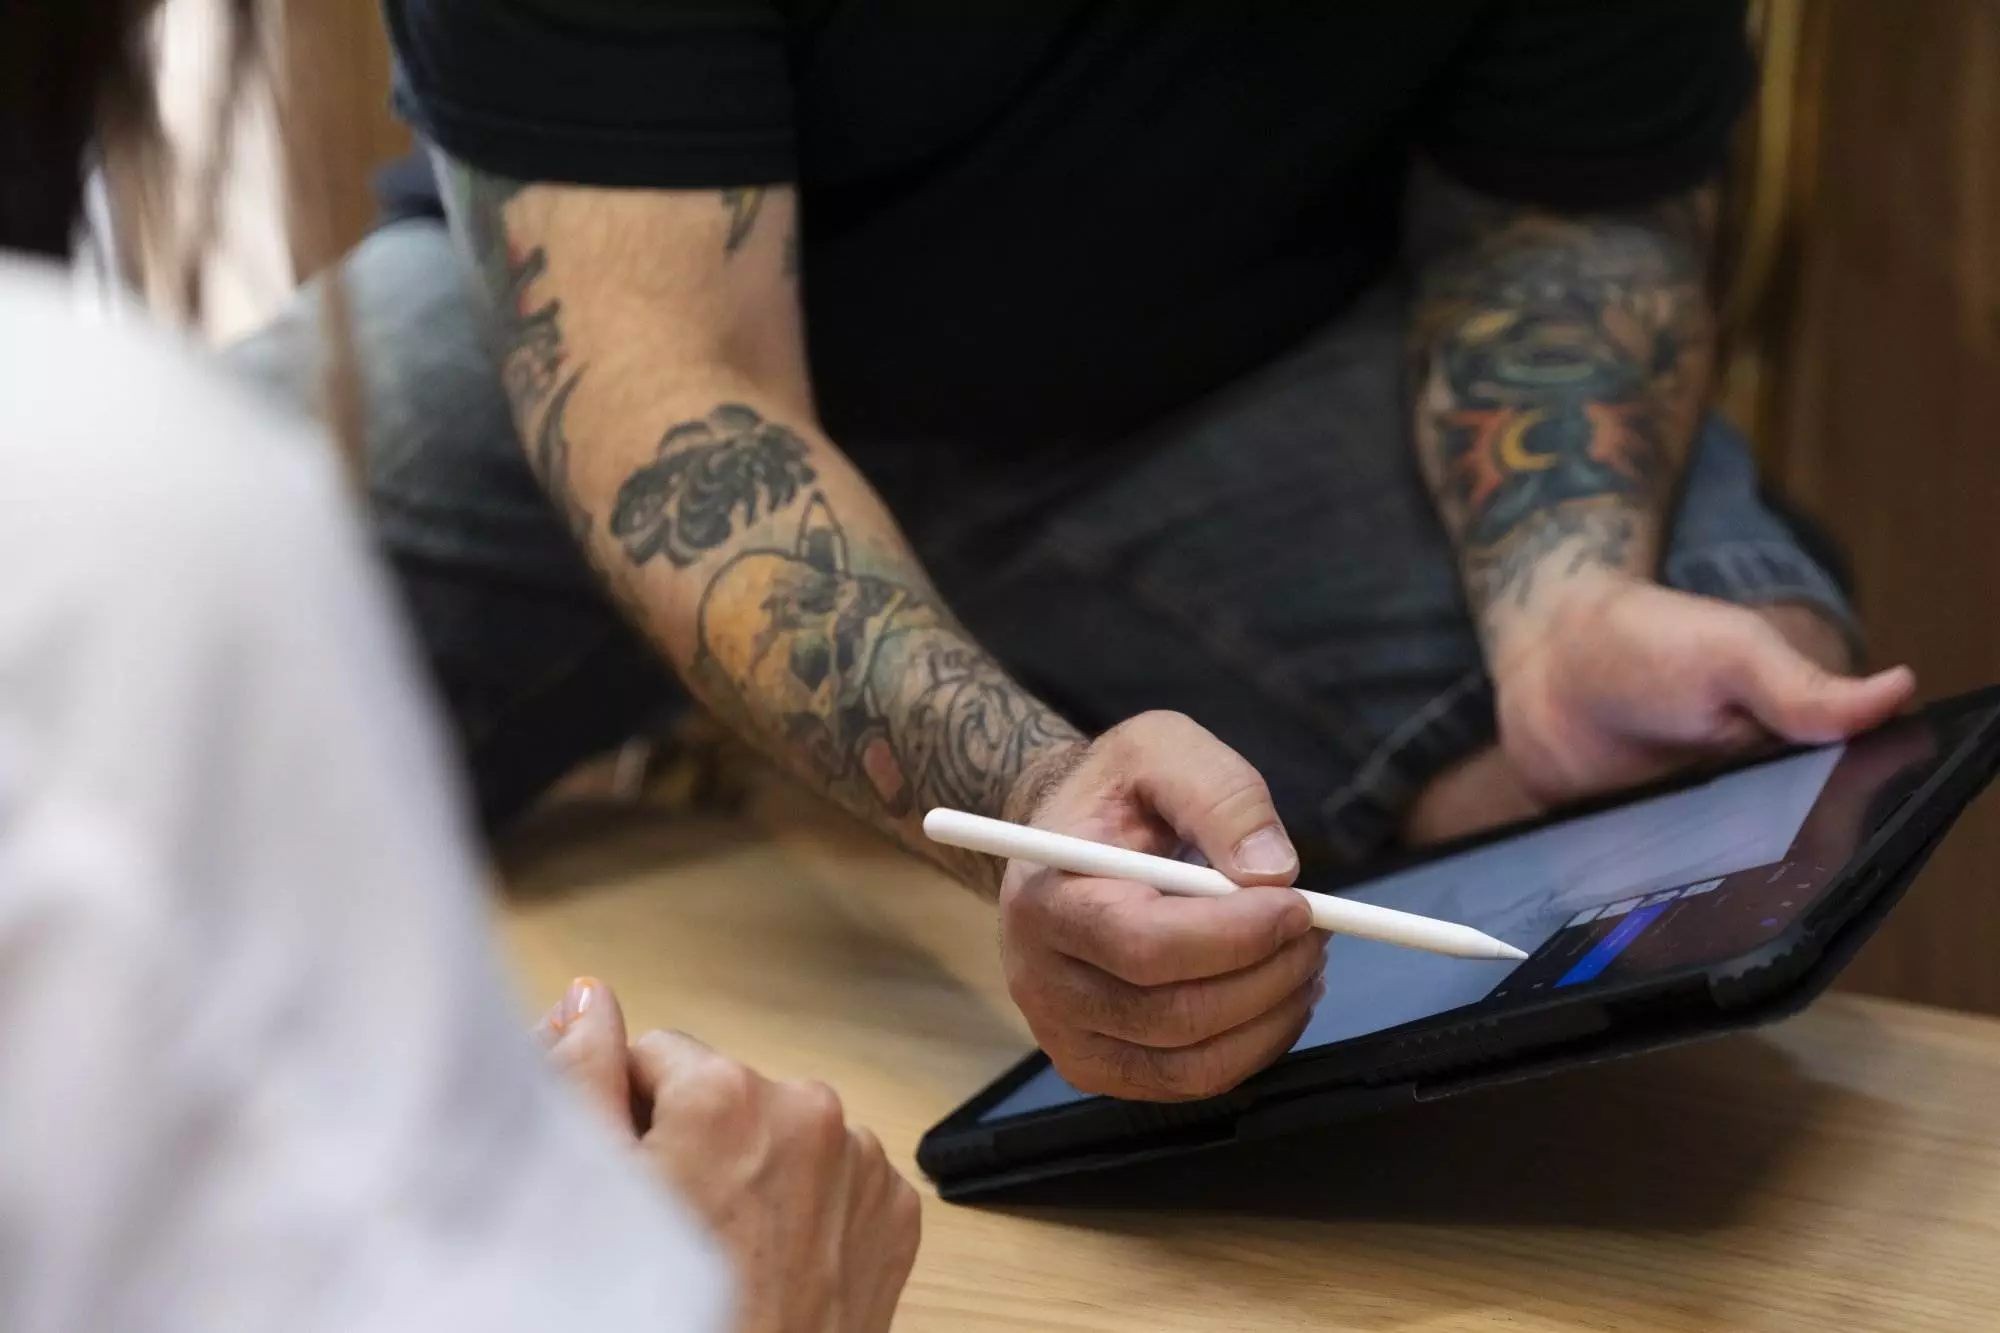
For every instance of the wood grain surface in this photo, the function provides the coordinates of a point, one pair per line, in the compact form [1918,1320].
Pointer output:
[1839,1172]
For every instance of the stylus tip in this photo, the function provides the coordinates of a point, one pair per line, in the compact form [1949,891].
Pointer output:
[1502,949]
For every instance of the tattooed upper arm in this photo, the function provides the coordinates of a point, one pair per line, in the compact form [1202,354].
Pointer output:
[536,369]
[523,279]
[1561,367]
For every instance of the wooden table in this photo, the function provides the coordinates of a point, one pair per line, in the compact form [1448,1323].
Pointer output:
[1842,1171]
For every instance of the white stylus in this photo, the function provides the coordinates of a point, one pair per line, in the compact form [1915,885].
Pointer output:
[1079,856]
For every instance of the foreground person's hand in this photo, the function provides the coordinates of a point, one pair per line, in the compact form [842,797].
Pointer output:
[1137,994]
[821,1230]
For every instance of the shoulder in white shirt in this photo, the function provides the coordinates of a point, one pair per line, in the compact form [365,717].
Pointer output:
[258,1067]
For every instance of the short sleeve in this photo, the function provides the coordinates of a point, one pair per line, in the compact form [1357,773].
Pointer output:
[662,94]
[1589,104]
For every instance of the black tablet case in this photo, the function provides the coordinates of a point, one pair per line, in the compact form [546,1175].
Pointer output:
[969,1168]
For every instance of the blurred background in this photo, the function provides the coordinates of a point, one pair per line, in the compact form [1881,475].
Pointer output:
[1863,313]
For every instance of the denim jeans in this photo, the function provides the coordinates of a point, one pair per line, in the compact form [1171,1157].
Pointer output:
[1268,561]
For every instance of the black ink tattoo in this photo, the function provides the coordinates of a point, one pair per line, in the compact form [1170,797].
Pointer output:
[969,730]
[531,344]
[866,683]
[1562,365]
[551,462]
[535,367]
[1587,533]
[744,203]
[685,502]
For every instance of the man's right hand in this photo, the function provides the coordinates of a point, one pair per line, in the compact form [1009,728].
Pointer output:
[1137,994]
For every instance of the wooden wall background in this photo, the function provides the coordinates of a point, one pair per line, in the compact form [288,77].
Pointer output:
[1888,405]
[340,128]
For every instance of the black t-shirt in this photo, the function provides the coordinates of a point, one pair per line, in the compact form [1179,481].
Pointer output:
[1051,221]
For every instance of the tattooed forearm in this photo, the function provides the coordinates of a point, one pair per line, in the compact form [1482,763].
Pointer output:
[963,731]
[1561,366]
[720,542]
[866,685]
[535,366]
[744,203]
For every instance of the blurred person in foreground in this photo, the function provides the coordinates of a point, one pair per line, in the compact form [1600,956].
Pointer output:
[955,401]
[257,1069]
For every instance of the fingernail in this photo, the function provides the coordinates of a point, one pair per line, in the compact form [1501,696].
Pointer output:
[577,1003]
[1319,989]
[1266,852]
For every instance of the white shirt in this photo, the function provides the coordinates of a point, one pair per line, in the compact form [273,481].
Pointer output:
[258,1068]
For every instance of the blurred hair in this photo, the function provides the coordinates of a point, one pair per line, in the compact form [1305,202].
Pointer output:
[69,69]
[77,91]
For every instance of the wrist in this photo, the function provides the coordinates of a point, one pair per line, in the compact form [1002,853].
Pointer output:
[1039,777]
[1513,631]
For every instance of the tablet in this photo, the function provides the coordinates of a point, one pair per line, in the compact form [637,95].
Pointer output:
[1685,911]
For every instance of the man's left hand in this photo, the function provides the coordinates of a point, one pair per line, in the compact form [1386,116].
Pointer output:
[1617,681]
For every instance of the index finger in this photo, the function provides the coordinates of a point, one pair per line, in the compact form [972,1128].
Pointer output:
[1148,938]
[660,1058]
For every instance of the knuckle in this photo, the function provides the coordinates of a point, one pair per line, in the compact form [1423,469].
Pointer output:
[732,1083]
[658,1044]
[818,1111]
[1144,731]
[718,1092]
[1815,682]
[1060,793]
[1240,794]
[867,1146]
[1162,1075]
[1085,1001]
[1120,1011]
[1133,948]
[1142,958]
[674,1047]
[1193,1074]
[1165,722]
[670,1058]
[1028,984]
[820,1100]
[1182,1015]
[1100,1068]
[1025,901]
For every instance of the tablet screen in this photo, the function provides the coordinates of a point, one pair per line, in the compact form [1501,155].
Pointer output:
[1691,877]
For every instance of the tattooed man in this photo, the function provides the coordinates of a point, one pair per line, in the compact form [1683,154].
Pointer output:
[957,401]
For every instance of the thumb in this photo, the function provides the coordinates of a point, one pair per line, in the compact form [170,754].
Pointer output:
[1211,795]
[1797,699]
[588,1047]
